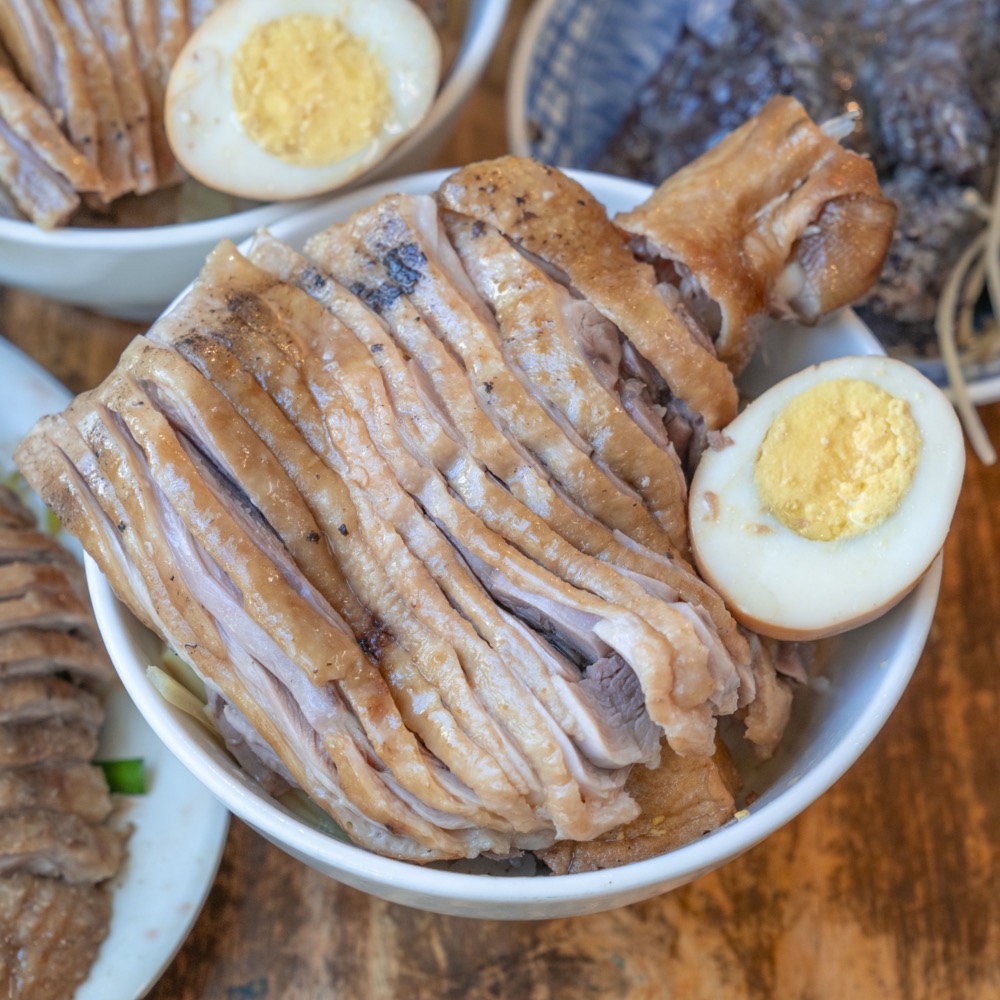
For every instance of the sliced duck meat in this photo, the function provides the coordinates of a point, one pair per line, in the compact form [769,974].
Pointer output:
[768,713]
[417,531]
[46,57]
[114,136]
[454,418]
[27,699]
[776,219]
[559,221]
[19,578]
[285,625]
[76,788]
[59,845]
[355,372]
[144,24]
[411,657]
[13,512]
[32,122]
[107,18]
[28,743]
[51,932]
[402,237]
[282,725]
[38,191]
[544,332]
[357,379]
[51,610]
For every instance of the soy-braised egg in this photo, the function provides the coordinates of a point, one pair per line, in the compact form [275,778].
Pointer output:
[278,99]
[828,497]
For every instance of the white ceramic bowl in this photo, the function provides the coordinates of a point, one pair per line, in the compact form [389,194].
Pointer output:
[834,718]
[134,273]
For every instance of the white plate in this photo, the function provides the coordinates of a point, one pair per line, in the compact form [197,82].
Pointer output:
[179,827]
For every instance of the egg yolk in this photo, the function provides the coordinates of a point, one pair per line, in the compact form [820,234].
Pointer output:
[838,459]
[308,91]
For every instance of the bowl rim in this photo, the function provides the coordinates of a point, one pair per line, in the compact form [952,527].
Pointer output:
[482,32]
[515,99]
[511,898]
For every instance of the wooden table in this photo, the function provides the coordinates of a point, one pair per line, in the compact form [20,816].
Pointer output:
[888,886]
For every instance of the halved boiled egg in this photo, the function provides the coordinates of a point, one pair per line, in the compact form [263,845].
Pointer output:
[828,498]
[277,99]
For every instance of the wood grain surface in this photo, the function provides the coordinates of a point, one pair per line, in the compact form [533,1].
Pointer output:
[886,887]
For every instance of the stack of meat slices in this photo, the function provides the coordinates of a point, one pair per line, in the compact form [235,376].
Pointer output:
[412,505]
[82,85]
[55,845]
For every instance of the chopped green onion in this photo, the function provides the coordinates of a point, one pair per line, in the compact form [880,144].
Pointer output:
[126,777]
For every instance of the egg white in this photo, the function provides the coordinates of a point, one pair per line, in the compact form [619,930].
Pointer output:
[783,585]
[204,130]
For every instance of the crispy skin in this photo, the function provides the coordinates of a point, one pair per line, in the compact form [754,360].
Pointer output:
[553,217]
[776,218]
[681,800]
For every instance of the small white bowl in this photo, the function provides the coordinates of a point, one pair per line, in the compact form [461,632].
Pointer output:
[134,273]
[834,718]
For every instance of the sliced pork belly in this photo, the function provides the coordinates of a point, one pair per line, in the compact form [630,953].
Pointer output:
[557,220]
[776,219]
[401,237]
[59,845]
[456,419]
[543,330]
[46,57]
[107,18]
[114,136]
[75,787]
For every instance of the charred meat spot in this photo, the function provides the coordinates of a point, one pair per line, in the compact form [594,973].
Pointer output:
[520,199]
[122,525]
[378,298]
[374,639]
[312,536]
[478,228]
[376,348]
[527,216]
[343,529]
[581,202]
[248,307]
[405,264]
[488,387]
[313,279]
